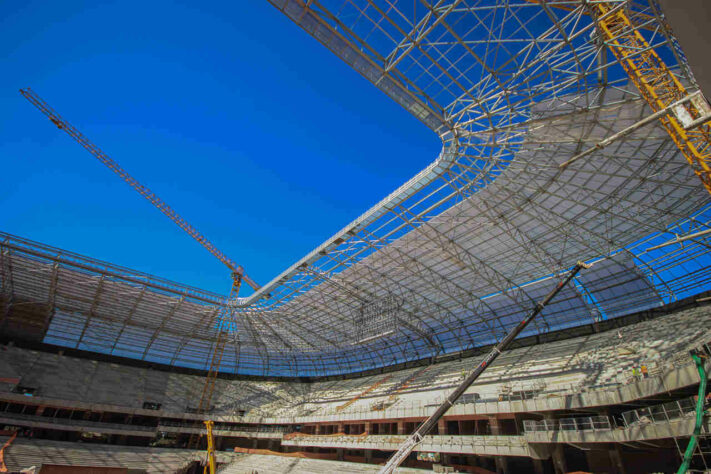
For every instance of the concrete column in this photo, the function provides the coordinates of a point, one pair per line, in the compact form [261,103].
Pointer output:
[559,463]
[255,443]
[368,455]
[598,461]
[442,427]
[341,427]
[502,465]
[400,427]
[501,462]
[482,427]
[340,454]
[494,426]
[368,427]
[618,467]
[538,466]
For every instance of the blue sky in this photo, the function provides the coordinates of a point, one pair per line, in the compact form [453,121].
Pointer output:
[252,130]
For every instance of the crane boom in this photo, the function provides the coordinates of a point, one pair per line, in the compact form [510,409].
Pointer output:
[62,124]
[416,438]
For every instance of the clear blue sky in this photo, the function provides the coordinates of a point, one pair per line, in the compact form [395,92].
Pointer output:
[246,125]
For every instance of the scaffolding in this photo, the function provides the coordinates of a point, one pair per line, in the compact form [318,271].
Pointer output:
[700,461]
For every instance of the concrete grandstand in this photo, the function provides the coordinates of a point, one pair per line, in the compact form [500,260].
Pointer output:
[331,366]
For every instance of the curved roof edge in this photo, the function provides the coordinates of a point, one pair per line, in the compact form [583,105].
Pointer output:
[700,299]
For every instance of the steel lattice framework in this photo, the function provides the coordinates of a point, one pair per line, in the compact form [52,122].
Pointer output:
[455,256]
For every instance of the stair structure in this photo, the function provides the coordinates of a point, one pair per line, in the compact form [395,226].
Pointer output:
[363,393]
[399,388]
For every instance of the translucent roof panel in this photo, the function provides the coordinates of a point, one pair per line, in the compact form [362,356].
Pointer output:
[457,255]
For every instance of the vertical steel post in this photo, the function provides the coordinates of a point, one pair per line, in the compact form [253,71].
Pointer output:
[210,464]
[216,359]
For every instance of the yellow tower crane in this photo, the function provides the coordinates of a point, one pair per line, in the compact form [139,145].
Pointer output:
[210,464]
[687,119]
[237,272]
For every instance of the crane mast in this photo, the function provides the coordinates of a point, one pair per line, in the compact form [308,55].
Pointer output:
[237,272]
[210,462]
[688,122]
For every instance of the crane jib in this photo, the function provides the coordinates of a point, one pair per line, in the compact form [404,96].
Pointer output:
[62,124]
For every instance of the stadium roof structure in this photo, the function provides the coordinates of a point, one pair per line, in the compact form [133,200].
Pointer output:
[454,257]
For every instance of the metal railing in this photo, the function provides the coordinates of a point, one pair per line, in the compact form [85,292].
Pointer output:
[445,441]
[660,413]
[663,413]
[74,422]
[586,423]
[226,427]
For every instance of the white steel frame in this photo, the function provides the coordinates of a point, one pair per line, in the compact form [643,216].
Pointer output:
[513,88]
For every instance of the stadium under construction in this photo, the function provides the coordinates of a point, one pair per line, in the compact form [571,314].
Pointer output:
[536,299]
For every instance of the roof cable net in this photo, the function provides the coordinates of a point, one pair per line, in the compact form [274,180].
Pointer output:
[455,256]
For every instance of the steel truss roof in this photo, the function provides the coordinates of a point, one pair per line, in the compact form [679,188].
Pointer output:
[456,255]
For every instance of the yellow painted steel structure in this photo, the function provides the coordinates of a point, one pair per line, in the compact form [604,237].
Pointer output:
[658,85]
[69,129]
[238,274]
[209,387]
[210,465]
[215,361]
